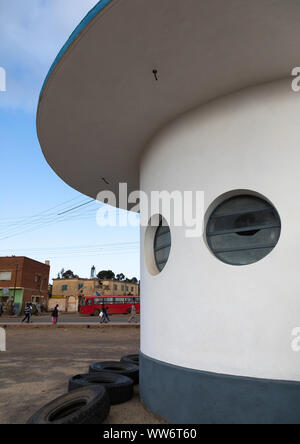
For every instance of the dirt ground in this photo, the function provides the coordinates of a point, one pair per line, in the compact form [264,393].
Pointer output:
[39,362]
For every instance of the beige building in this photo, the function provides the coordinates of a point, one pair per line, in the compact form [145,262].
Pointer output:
[69,293]
[116,288]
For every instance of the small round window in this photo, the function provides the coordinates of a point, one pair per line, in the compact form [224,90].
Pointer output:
[162,245]
[243,230]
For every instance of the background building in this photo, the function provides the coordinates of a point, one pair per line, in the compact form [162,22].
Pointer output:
[23,280]
[70,293]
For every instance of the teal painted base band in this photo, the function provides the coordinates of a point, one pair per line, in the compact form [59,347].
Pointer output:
[185,396]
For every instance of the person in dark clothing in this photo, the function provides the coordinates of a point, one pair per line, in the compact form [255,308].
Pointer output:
[1,310]
[104,319]
[28,310]
[55,315]
[106,314]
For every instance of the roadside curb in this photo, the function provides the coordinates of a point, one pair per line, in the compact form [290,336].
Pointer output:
[68,325]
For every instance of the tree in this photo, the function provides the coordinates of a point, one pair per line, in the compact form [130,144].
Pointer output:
[134,280]
[69,275]
[106,275]
[121,277]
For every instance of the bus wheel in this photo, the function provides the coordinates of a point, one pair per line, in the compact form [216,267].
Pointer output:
[96,312]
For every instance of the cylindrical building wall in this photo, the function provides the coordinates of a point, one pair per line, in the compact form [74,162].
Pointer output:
[203,318]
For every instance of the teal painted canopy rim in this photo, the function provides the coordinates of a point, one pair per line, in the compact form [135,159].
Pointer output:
[87,19]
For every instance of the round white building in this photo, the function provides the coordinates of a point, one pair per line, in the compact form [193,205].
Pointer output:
[196,96]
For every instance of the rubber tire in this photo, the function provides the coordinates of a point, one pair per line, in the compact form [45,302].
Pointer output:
[133,359]
[118,387]
[121,368]
[95,411]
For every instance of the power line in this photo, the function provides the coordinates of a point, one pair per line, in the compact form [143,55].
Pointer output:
[75,208]
[16,230]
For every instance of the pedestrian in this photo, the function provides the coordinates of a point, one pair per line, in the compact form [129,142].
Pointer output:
[38,309]
[28,310]
[1,310]
[55,315]
[132,315]
[102,317]
[106,314]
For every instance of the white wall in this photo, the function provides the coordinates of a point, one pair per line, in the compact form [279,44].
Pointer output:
[199,312]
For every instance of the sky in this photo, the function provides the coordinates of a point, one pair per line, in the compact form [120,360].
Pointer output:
[32,197]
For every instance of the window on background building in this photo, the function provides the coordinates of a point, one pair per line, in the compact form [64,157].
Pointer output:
[64,287]
[80,286]
[5,276]
[162,246]
[132,288]
[115,287]
[243,230]
[123,288]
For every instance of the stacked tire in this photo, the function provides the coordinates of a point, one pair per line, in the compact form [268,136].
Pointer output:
[91,395]
[118,387]
[88,405]
[127,369]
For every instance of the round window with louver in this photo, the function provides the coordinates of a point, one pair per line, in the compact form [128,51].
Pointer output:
[162,245]
[243,230]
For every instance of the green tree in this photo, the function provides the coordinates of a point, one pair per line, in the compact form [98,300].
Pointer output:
[69,275]
[106,275]
[121,277]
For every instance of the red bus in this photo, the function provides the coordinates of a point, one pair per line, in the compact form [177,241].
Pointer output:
[92,305]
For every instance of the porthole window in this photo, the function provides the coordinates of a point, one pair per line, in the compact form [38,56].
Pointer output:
[162,246]
[243,230]
[157,244]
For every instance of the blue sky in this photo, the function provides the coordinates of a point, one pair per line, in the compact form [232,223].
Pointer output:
[31,34]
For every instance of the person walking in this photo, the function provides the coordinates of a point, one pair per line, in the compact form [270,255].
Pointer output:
[132,315]
[38,309]
[28,310]
[1,310]
[55,315]
[104,317]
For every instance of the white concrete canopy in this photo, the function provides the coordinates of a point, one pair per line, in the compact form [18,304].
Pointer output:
[101,104]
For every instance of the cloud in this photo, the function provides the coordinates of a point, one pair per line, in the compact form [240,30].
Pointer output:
[31,34]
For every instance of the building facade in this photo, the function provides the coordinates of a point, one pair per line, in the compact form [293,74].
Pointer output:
[116,288]
[206,106]
[23,280]
[70,293]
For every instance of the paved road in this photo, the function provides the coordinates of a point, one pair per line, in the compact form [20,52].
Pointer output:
[66,319]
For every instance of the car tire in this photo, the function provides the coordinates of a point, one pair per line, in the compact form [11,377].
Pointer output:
[90,405]
[122,368]
[133,359]
[118,387]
